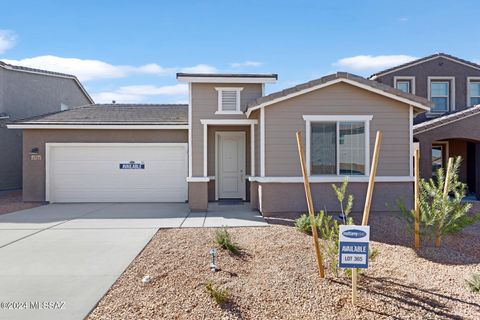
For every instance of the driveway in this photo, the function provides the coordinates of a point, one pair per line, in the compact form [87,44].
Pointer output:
[58,260]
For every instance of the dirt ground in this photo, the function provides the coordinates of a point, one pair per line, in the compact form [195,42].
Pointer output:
[276,277]
[11,201]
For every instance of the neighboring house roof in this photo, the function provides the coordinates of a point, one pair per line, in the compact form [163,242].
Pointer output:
[374,86]
[46,73]
[111,114]
[445,119]
[425,59]
[228,77]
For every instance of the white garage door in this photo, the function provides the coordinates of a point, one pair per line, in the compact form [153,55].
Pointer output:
[90,172]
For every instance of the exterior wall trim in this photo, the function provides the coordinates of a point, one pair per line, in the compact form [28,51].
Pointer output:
[337,118]
[95,127]
[400,78]
[190,163]
[262,142]
[330,179]
[228,122]
[410,134]
[221,79]
[326,84]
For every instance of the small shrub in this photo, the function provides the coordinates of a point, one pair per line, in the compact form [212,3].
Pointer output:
[474,282]
[218,294]
[224,240]
[303,223]
[440,215]
[340,194]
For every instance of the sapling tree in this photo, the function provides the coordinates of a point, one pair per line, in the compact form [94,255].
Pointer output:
[340,194]
[441,208]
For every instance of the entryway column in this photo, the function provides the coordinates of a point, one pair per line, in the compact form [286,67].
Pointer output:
[425,158]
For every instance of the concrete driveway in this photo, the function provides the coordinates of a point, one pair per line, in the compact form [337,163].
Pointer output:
[58,260]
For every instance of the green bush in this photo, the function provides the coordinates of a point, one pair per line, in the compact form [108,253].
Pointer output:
[474,282]
[303,223]
[218,294]
[440,215]
[224,240]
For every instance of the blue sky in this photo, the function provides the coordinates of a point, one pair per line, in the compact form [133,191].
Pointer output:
[129,51]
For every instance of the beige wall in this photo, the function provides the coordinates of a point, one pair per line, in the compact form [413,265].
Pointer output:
[283,119]
[204,105]
[34,171]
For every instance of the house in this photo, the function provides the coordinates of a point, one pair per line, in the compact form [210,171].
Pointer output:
[27,92]
[230,142]
[451,127]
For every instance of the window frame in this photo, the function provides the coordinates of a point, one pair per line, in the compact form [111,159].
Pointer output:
[309,119]
[451,93]
[220,91]
[411,79]
[469,96]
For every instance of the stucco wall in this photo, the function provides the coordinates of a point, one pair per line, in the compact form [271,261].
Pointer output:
[283,119]
[24,95]
[34,170]
[204,105]
[439,67]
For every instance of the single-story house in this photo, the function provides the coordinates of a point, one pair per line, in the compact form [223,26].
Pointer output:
[230,142]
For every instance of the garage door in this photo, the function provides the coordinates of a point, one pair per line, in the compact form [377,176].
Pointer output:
[117,172]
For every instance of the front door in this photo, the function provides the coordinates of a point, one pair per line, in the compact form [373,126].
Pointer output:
[230,160]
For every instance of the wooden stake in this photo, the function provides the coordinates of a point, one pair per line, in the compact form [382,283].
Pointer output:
[417,198]
[354,285]
[446,186]
[311,211]
[371,180]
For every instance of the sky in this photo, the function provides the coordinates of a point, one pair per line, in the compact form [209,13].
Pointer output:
[129,51]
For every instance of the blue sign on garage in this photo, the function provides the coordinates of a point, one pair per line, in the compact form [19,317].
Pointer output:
[353,246]
[132,165]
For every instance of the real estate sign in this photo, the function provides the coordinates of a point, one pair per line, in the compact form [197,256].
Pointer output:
[353,246]
[132,165]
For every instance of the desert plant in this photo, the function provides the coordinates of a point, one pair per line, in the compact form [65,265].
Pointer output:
[218,294]
[303,223]
[474,282]
[224,240]
[340,194]
[441,210]
[373,253]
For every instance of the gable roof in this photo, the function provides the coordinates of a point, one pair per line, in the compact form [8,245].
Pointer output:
[425,59]
[110,114]
[446,119]
[46,73]
[370,85]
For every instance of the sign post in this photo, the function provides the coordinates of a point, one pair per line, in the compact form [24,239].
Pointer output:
[353,251]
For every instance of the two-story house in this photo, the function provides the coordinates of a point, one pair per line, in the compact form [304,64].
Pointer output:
[27,92]
[231,142]
[451,128]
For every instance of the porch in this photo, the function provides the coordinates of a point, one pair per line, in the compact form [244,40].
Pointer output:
[452,135]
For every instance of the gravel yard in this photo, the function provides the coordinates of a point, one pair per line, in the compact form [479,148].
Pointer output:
[275,277]
[11,201]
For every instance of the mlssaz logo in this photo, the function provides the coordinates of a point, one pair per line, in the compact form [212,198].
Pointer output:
[355,234]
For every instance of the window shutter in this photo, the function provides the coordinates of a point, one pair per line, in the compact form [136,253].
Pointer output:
[229,100]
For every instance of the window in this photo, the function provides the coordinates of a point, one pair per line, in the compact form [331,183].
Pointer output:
[229,100]
[337,147]
[439,91]
[439,154]
[405,84]
[474,92]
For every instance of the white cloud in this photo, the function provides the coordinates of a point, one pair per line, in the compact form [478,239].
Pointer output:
[246,64]
[153,90]
[7,40]
[200,68]
[90,69]
[367,62]
[139,93]
[403,19]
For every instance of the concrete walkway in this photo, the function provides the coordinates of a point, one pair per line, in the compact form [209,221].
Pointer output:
[57,261]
